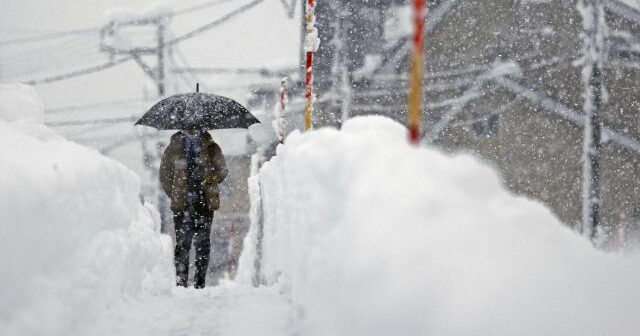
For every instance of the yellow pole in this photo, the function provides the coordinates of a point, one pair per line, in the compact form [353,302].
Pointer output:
[310,46]
[308,91]
[416,72]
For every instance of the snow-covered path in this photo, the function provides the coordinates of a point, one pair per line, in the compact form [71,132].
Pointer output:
[222,310]
[351,243]
[102,268]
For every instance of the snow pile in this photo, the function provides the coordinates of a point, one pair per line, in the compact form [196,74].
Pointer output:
[371,236]
[18,101]
[74,234]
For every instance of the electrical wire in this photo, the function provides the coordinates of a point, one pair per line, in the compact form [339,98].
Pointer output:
[45,52]
[215,23]
[50,36]
[61,34]
[91,122]
[124,59]
[240,71]
[93,106]
[290,8]
[80,72]
[199,7]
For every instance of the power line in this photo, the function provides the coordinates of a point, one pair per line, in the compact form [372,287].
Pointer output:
[215,23]
[47,59]
[61,34]
[46,52]
[146,19]
[187,78]
[81,72]
[259,71]
[199,7]
[91,121]
[50,36]
[124,59]
[73,108]
[79,57]
[289,7]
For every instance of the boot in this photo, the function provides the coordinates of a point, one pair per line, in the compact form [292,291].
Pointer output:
[200,279]
[182,275]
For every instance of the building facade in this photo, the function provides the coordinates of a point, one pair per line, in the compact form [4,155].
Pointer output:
[502,81]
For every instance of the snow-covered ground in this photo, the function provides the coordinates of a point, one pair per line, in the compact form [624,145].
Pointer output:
[371,236]
[81,255]
[226,310]
[363,235]
[74,233]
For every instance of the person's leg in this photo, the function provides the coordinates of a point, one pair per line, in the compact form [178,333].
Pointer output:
[184,235]
[202,245]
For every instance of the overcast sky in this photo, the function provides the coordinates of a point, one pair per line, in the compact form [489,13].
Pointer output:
[264,36]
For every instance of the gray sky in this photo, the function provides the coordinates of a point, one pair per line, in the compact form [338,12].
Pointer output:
[262,37]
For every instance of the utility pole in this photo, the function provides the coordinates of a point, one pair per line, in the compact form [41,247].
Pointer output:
[161,52]
[594,24]
[310,46]
[342,89]
[152,149]
[159,146]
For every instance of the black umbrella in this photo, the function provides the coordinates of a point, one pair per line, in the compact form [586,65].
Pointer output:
[197,110]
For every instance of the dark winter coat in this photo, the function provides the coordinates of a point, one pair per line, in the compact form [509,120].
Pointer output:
[174,175]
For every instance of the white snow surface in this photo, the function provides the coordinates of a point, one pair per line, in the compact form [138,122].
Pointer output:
[73,230]
[363,235]
[372,236]
[632,3]
[82,256]
[19,101]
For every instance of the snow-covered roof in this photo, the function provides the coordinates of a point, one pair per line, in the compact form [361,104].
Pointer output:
[631,3]
[628,9]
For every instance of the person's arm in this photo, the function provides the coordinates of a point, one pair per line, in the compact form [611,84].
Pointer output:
[219,164]
[166,172]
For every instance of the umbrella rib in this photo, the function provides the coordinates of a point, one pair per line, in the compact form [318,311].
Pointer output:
[189,111]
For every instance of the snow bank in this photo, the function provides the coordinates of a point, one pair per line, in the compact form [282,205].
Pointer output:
[19,101]
[374,237]
[73,231]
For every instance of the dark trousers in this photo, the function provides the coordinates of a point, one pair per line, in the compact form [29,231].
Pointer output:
[192,227]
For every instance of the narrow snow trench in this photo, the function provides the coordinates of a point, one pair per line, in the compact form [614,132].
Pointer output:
[222,310]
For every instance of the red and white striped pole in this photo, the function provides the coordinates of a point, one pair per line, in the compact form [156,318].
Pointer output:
[311,44]
[416,71]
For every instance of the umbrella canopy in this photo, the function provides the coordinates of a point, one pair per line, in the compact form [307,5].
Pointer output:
[197,110]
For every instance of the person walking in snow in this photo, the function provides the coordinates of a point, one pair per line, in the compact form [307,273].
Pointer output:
[191,169]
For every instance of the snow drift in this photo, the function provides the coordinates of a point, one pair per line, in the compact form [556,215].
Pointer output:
[371,236]
[73,231]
